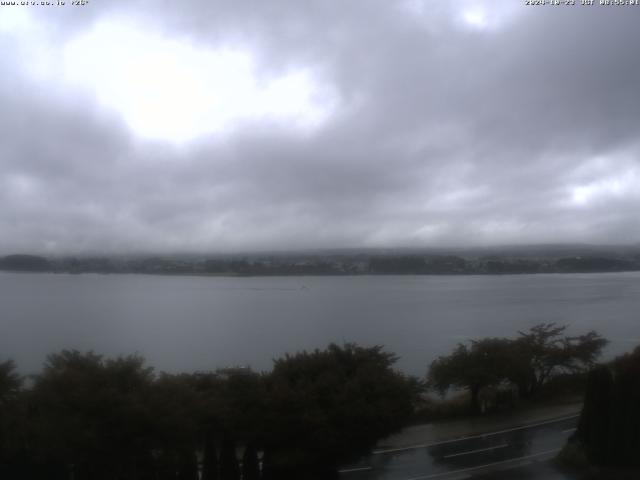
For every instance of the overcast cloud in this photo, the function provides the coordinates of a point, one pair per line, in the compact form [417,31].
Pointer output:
[222,126]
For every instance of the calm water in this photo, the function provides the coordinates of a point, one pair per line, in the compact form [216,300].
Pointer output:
[197,323]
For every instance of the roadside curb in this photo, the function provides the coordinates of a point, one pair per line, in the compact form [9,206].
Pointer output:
[448,431]
[475,435]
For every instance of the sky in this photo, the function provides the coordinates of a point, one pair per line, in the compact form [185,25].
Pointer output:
[221,126]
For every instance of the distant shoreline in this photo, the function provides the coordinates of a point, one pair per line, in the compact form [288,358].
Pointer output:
[294,275]
[339,264]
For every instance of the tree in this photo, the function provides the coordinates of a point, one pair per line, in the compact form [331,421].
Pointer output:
[10,382]
[482,364]
[250,464]
[610,419]
[24,263]
[625,418]
[210,458]
[188,465]
[595,418]
[92,413]
[397,265]
[543,351]
[528,361]
[176,406]
[327,407]
[240,400]
[229,468]
[12,426]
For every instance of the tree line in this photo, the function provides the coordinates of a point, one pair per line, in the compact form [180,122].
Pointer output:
[314,264]
[88,417]
[520,367]
[608,432]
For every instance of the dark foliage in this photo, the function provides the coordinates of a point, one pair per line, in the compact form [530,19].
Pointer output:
[609,426]
[483,363]
[24,263]
[595,264]
[10,382]
[209,458]
[397,265]
[512,266]
[90,418]
[250,463]
[506,261]
[327,407]
[527,362]
[229,467]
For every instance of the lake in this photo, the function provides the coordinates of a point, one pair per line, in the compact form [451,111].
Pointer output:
[182,323]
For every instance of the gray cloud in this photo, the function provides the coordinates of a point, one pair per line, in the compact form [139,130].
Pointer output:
[443,134]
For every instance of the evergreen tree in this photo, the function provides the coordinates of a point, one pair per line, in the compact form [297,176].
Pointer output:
[609,426]
[250,466]
[188,468]
[595,420]
[229,468]
[327,407]
[209,459]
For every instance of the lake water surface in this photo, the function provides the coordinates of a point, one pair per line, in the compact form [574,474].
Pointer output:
[200,323]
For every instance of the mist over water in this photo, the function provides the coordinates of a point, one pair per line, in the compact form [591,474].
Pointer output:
[202,323]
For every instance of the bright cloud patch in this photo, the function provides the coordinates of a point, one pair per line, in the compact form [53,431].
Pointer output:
[169,89]
[607,188]
[475,17]
[594,182]
[14,20]
[487,14]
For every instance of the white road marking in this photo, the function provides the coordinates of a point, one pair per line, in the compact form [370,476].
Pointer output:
[476,451]
[357,469]
[569,430]
[428,445]
[479,467]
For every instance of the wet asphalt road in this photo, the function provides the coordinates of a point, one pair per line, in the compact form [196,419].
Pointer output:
[524,449]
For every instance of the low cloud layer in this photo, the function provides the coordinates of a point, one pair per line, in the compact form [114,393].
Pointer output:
[225,126]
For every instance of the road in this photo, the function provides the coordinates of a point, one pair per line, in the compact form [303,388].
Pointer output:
[481,456]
